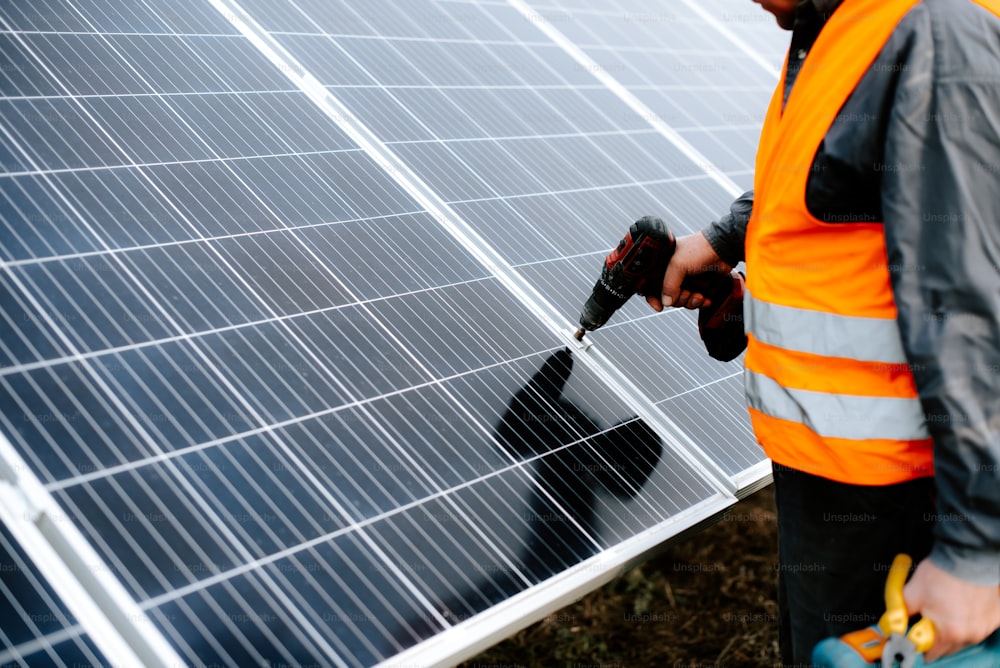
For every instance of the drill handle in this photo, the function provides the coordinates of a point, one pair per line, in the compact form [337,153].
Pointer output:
[715,285]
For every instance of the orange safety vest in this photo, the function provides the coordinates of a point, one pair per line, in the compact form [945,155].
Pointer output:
[828,384]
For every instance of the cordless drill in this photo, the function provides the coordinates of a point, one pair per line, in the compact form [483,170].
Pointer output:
[638,264]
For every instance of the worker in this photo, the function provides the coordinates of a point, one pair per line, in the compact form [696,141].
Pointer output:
[872,249]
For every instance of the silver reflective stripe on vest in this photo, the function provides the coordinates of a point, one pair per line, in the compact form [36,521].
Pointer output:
[838,415]
[820,333]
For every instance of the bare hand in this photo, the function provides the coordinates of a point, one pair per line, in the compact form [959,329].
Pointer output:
[963,613]
[694,255]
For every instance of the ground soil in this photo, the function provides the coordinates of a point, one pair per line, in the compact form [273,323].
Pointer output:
[708,601]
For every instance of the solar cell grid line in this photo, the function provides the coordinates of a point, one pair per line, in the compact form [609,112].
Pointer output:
[111,386]
[467,169]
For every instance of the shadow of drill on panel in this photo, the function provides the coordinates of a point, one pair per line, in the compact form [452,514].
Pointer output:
[575,462]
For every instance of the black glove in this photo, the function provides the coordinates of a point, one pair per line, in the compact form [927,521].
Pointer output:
[721,325]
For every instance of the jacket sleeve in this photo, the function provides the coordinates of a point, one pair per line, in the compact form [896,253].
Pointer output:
[941,176]
[728,235]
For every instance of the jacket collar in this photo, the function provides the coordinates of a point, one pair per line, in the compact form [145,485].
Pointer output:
[822,8]
[810,17]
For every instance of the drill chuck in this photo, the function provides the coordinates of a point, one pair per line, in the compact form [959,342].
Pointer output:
[604,300]
[637,264]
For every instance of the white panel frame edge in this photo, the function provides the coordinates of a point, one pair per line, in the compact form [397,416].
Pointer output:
[470,637]
[82,580]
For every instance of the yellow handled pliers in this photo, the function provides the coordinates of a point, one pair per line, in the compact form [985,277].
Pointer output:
[901,646]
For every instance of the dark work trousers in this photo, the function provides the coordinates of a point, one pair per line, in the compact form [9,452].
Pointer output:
[835,545]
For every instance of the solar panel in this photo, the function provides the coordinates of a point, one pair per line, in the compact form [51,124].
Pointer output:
[285,292]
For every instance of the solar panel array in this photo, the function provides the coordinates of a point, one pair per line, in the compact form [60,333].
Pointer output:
[285,290]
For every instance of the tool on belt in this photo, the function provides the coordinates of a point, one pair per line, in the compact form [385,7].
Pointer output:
[637,265]
[891,644]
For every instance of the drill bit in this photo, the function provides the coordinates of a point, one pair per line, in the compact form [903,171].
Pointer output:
[579,334]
